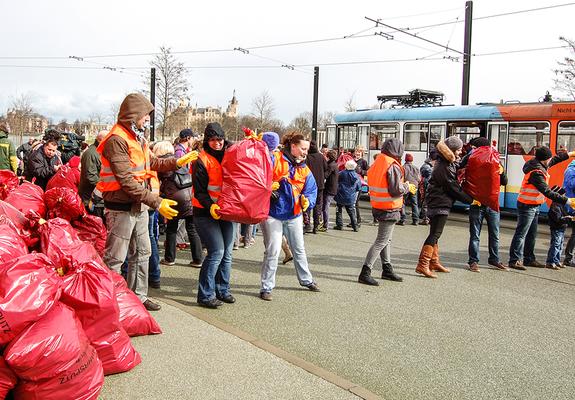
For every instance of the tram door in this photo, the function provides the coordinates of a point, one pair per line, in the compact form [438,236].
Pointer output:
[498,133]
[436,133]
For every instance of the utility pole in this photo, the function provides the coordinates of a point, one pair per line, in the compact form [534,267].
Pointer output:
[153,101]
[467,53]
[314,112]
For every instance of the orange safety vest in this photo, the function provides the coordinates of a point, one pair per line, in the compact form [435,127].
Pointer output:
[297,182]
[139,160]
[528,194]
[379,195]
[214,169]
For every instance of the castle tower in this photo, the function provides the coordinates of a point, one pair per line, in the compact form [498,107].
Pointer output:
[232,110]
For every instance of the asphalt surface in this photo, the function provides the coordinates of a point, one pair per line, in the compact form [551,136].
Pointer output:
[465,335]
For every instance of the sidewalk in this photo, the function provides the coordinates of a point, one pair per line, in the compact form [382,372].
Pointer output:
[195,360]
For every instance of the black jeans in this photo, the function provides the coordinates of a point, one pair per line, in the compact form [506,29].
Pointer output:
[436,226]
[318,209]
[570,246]
[339,217]
[195,242]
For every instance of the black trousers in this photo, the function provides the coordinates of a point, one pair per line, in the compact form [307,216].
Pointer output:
[195,242]
[436,226]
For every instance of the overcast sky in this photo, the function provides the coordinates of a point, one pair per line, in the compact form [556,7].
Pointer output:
[80,28]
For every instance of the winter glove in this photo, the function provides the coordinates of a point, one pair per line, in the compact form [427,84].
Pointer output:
[571,202]
[412,188]
[188,158]
[166,210]
[571,154]
[305,203]
[214,211]
[500,169]
[476,203]
[275,186]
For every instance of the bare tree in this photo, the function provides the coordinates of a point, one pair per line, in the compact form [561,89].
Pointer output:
[20,113]
[565,81]
[263,110]
[302,123]
[325,119]
[349,105]
[171,85]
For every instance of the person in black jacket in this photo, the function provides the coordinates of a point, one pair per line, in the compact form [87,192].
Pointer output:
[442,192]
[318,166]
[534,190]
[558,221]
[44,162]
[330,189]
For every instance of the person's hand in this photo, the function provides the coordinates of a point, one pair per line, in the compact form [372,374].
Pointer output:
[571,202]
[214,208]
[304,203]
[412,188]
[57,167]
[571,153]
[188,158]
[166,210]
[476,203]
[500,169]
[275,186]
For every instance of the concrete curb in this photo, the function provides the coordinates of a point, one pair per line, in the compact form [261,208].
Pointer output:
[284,355]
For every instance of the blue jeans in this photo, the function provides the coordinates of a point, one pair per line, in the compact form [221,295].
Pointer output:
[556,245]
[523,243]
[476,216]
[218,237]
[412,199]
[154,263]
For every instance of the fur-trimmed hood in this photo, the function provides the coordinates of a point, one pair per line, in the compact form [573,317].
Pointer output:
[445,152]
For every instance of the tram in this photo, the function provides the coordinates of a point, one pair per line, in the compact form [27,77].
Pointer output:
[515,129]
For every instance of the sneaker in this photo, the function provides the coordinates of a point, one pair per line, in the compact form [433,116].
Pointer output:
[473,267]
[517,265]
[194,264]
[212,303]
[322,229]
[414,223]
[287,259]
[154,284]
[560,265]
[227,298]
[551,266]
[166,262]
[236,246]
[534,264]
[499,265]
[338,228]
[400,223]
[313,287]
[151,306]
[267,296]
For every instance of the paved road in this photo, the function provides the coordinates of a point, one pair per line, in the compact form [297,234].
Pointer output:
[504,335]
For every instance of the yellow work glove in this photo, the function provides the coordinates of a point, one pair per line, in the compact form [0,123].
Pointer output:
[166,210]
[214,211]
[412,188]
[500,169]
[275,186]
[571,202]
[571,153]
[476,203]
[304,203]
[188,158]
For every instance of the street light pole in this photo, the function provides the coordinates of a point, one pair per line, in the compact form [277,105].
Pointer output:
[315,95]
[153,101]
[467,53]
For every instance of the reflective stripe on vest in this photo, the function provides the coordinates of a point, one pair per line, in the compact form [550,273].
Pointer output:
[215,175]
[139,160]
[528,194]
[296,181]
[379,195]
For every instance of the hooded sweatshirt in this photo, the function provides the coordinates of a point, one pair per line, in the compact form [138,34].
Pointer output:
[132,193]
[537,178]
[392,148]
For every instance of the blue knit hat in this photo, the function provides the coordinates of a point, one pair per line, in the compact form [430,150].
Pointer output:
[272,139]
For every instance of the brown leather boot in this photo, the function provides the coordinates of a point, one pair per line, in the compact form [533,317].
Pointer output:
[423,263]
[434,264]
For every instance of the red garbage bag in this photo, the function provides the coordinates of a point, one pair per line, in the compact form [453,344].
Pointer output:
[135,319]
[65,177]
[482,176]
[8,182]
[64,202]
[90,228]
[54,359]
[89,289]
[7,379]
[29,288]
[28,197]
[11,243]
[247,181]
[13,214]
[342,159]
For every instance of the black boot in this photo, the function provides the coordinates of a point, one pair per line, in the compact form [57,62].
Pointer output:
[365,277]
[388,273]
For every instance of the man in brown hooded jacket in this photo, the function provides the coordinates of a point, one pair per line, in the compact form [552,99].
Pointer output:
[127,184]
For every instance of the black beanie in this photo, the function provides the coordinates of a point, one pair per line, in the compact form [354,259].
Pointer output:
[543,153]
[479,142]
[214,129]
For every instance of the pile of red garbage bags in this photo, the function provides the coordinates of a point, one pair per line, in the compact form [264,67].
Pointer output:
[65,318]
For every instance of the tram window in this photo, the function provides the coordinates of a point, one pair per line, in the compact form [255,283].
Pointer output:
[566,136]
[415,137]
[466,133]
[330,137]
[348,137]
[526,137]
[380,133]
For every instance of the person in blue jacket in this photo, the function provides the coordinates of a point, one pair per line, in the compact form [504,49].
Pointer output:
[348,187]
[294,191]
[569,186]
